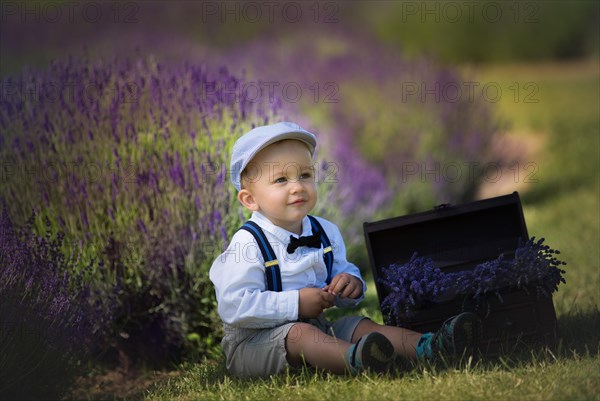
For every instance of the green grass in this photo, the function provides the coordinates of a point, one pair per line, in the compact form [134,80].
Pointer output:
[540,378]
[563,206]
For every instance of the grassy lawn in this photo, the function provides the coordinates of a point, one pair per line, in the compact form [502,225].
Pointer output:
[563,206]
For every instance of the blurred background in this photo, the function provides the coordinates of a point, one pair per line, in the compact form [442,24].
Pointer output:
[117,119]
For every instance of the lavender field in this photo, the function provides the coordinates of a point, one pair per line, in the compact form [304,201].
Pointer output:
[131,167]
[115,192]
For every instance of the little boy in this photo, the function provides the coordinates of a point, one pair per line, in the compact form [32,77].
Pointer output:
[284,268]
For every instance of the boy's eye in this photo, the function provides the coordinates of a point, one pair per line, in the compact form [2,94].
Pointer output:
[306,176]
[280,180]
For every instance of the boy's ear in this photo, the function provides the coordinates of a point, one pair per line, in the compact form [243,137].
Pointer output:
[247,200]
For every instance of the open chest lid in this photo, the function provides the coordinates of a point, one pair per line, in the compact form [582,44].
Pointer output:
[455,237]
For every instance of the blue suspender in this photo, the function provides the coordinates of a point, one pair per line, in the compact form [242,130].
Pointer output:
[272,272]
[273,275]
[327,252]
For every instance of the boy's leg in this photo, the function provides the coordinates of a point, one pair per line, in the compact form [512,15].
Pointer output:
[457,334]
[307,342]
[404,340]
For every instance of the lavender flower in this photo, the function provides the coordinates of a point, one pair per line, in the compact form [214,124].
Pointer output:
[410,285]
[47,314]
[416,283]
[148,192]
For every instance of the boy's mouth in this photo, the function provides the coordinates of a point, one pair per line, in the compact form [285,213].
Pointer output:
[298,202]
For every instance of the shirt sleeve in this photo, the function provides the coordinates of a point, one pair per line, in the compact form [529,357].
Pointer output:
[238,275]
[341,264]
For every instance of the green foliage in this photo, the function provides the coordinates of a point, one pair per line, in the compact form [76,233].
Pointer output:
[488,31]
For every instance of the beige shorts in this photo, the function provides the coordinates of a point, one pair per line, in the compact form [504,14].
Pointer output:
[261,352]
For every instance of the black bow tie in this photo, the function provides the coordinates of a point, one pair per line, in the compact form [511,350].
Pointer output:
[312,241]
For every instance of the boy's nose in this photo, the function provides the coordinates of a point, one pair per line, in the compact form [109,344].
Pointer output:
[296,186]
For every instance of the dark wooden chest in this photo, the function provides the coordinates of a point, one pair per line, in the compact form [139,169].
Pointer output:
[458,238]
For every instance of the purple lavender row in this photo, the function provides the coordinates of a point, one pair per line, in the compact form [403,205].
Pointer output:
[418,282]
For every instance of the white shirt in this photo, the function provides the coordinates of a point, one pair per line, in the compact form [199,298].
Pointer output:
[239,275]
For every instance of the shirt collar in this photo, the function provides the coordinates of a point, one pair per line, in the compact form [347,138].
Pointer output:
[281,234]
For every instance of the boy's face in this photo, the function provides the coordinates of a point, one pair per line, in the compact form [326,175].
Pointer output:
[280,183]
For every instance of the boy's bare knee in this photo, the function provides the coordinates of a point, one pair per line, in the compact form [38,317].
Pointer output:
[300,332]
[295,340]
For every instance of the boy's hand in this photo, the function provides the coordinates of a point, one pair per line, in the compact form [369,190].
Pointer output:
[313,301]
[345,286]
